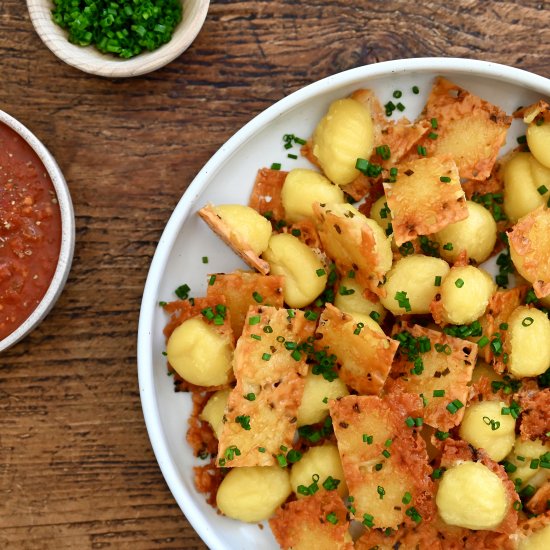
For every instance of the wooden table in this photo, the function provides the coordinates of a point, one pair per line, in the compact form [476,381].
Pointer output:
[76,466]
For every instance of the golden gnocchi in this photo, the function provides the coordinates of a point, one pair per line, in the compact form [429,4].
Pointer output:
[465,293]
[529,342]
[253,493]
[470,495]
[200,354]
[485,427]
[302,188]
[476,235]
[344,134]
[304,273]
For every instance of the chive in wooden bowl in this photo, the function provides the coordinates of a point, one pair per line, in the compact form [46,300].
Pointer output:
[90,60]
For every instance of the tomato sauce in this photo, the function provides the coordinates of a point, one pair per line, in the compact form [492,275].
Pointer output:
[30,230]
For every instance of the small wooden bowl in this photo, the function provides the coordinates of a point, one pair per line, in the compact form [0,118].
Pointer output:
[91,60]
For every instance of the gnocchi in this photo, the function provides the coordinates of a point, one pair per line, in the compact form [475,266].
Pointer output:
[302,188]
[419,277]
[304,274]
[528,330]
[199,354]
[471,496]
[525,181]
[214,409]
[476,235]
[351,298]
[465,294]
[246,224]
[319,463]
[317,392]
[253,493]
[344,134]
[538,139]
[485,427]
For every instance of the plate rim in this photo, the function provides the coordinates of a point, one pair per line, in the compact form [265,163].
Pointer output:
[201,181]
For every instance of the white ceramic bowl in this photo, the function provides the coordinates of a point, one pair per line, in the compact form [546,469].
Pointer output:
[67,233]
[91,60]
[228,177]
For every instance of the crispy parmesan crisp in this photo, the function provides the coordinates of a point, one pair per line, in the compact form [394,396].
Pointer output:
[446,367]
[400,136]
[377,450]
[530,246]
[364,356]
[532,112]
[255,429]
[434,535]
[420,203]
[242,289]
[501,305]
[266,194]
[364,187]
[231,239]
[318,521]
[535,418]
[350,243]
[306,231]
[538,503]
[468,128]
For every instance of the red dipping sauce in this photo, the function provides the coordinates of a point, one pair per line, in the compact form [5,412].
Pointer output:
[30,230]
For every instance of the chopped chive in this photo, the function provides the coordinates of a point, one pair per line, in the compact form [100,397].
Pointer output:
[381,492]
[433,122]
[528,321]
[397,94]
[483,341]
[402,300]
[407,497]
[432,135]
[542,189]
[453,406]
[244,421]
[257,297]
[437,280]
[212,280]
[276,166]
[332,518]
[445,179]
[320,272]
[448,246]
[182,292]
[438,393]
[415,90]
[368,520]
[292,156]
[266,356]
[459,283]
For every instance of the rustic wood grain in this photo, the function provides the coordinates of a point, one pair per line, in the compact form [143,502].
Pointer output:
[76,467]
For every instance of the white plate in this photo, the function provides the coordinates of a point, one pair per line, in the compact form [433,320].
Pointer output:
[228,178]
